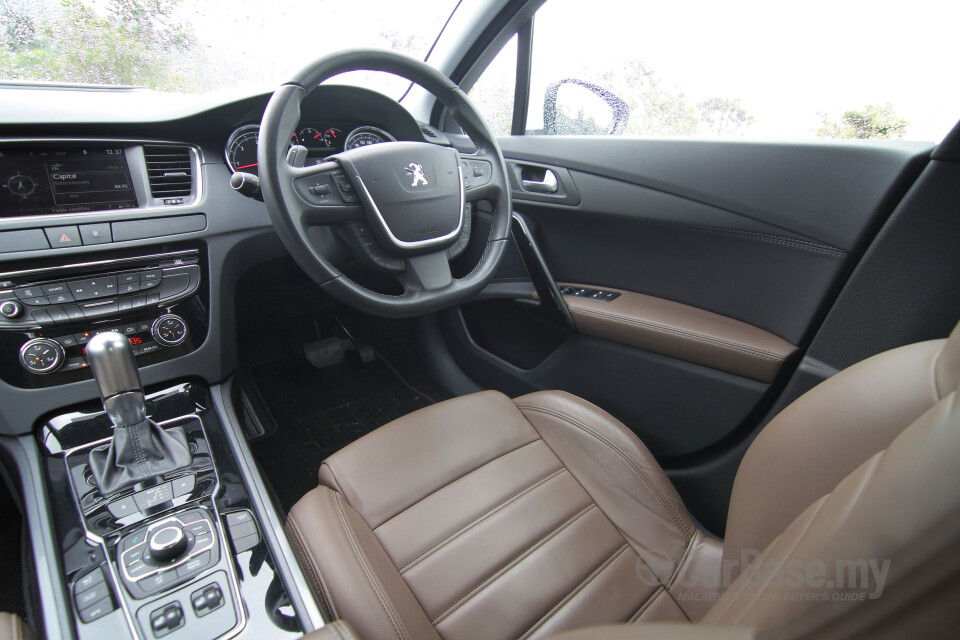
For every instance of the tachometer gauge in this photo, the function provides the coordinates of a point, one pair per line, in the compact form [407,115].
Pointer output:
[241,149]
[310,137]
[332,137]
[363,136]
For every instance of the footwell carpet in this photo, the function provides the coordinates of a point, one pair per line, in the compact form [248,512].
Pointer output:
[314,413]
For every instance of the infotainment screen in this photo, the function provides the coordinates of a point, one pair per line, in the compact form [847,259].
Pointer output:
[64,180]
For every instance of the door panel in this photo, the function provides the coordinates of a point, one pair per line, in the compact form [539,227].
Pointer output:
[727,255]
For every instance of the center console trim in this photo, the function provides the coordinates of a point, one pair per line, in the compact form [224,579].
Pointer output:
[101,263]
[272,528]
[98,540]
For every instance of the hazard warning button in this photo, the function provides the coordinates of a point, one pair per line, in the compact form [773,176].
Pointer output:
[63,236]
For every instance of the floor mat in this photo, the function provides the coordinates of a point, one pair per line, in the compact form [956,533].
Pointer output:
[315,412]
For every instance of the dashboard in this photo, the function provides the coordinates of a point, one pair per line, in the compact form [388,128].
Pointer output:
[122,214]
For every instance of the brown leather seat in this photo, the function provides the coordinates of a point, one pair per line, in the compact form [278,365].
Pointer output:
[13,628]
[486,517]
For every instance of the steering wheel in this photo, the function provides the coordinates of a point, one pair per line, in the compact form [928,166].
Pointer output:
[405,204]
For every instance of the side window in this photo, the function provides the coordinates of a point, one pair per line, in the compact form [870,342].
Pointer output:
[747,69]
[493,93]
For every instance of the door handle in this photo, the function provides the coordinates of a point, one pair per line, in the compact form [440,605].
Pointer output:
[549,183]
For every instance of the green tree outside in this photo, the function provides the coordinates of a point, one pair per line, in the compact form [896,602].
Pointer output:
[873,122]
[133,42]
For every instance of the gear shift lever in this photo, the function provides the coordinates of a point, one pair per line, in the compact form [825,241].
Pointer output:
[115,371]
[140,449]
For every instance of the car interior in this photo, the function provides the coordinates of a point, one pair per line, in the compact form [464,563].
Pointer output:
[315,362]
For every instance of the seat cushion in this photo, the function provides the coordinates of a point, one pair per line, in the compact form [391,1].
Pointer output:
[13,628]
[492,518]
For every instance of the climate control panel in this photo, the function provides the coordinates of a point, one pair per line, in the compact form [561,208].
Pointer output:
[43,355]
[47,314]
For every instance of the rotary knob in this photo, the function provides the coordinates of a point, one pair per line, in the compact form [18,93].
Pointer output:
[10,309]
[167,543]
[41,355]
[169,330]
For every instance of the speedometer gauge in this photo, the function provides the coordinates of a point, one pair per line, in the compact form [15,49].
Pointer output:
[363,136]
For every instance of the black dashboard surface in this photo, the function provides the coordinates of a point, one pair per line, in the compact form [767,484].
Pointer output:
[238,234]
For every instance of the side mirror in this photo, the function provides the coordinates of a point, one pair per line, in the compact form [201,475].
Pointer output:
[584,109]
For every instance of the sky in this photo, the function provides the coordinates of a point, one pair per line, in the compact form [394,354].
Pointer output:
[785,62]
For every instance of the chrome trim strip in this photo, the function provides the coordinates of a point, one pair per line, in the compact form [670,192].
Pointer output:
[55,609]
[284,558]
[195,151]
[417,244]
[101,263]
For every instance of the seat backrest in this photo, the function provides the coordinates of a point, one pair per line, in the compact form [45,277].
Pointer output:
[859,470]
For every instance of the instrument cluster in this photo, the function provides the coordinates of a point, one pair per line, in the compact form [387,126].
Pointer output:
[320,138]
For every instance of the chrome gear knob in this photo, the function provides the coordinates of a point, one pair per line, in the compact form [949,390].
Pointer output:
[114,367]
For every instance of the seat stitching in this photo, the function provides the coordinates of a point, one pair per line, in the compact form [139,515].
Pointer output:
[634,465]
[325,591]
[646,605]
[863,489]
[680,562]
[455,480]
[693,335]
[606,564]
[455,534]
[793,548]
[467,596]
[936,382]
[728,602]
[333,475]
[368,572]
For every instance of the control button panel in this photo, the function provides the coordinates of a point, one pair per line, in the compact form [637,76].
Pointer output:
[92,597]
[591,294]
[72,299]
[205,612]
[60,353]
[242,529]
[170,551]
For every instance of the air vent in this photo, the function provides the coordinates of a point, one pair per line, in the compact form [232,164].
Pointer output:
[428,131]
[170,170]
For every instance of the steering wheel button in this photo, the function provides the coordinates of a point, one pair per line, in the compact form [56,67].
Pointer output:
[359,229]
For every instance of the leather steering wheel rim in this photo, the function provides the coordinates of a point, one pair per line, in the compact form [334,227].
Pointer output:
[426,279]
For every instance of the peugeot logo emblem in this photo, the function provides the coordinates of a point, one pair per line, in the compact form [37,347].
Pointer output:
[416,170]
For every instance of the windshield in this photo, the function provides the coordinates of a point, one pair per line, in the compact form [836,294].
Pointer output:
[208,45]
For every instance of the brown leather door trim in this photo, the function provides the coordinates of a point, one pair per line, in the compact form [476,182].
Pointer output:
[681,331]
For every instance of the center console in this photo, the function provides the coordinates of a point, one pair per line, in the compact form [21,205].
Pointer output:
[181,554]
